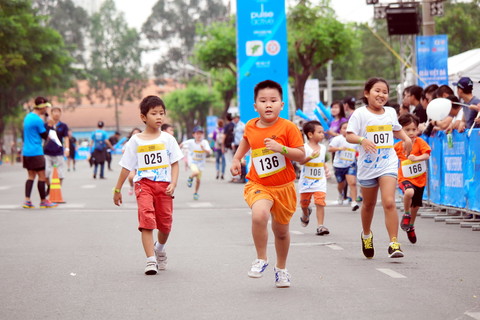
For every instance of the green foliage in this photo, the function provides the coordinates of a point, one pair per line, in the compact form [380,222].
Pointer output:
[172,24]
[33,58]
[315,36]
[191,105]
[115,70]
[462,24]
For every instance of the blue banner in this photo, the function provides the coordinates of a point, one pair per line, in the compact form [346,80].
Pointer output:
[432,58]
[453,169]
[435,170]
[472,171]
[261,51]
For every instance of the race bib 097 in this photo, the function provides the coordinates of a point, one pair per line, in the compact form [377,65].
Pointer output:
[382,136]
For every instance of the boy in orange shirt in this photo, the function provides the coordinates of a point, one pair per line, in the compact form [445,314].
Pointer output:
[412,173]
[270,190]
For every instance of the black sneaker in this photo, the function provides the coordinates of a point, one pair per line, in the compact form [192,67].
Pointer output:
[367,246]
[394,250]
[411,235]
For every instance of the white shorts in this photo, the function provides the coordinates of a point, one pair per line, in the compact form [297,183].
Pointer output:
[50,161]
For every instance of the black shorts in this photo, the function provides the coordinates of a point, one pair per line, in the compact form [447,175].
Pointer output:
[35,163]
[417,193]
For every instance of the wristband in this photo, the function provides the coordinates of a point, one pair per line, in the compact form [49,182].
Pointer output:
[115,190]
[360,140]
[67,149]
[284,150]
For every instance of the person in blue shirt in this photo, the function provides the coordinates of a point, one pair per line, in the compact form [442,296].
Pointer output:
[33,158]
[99,149]
[54,147]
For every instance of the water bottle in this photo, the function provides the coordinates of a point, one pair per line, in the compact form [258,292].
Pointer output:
[450,140]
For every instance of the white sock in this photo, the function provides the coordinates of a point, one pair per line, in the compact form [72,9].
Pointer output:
[152,259]
[160,247]
[366,236]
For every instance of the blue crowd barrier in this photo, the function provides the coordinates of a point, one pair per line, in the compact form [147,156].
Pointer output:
[454,171]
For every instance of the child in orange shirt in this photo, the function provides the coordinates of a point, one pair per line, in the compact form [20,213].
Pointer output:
[412,173]
[270,191]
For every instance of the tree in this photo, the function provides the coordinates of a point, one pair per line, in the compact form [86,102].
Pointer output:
[33,58]
[190,106]
[216,51]
[314,38]
[115,71]
[172,24]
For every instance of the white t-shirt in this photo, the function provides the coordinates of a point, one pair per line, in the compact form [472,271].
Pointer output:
[151,158]
[343,158]
[196,155]
[312,176]
[377,128]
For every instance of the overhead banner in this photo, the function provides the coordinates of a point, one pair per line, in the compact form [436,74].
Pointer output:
[432,59]
[261,51]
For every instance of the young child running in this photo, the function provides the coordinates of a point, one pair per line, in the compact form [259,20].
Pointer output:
[155,155]
[373,127]
[270,191]
[313,176]
[198,149]
[345,165]
[412,173]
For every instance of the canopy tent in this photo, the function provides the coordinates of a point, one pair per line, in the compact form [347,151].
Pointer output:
[465,64]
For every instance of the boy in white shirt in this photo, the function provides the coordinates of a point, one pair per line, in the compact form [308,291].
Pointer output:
[313,176]
[155,155]
[198,149]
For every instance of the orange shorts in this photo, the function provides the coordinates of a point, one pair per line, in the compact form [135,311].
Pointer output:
[155,207]
[284,199]
[318,198]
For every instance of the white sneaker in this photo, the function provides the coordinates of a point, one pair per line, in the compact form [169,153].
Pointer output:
[340,200]
[161,259]
[354,205]
[282,278]
[258,266]
[151,268]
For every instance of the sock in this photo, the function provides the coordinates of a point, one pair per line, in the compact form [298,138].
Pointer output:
[151,259]
[160,247]
[366,236]
[28,188]
[41,189]
[407,213]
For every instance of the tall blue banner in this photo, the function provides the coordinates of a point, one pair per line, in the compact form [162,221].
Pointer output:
[261,51]
[472,172]
[435,165]
[453,158]
[432,58]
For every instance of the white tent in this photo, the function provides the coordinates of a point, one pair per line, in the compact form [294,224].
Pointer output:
[465,64]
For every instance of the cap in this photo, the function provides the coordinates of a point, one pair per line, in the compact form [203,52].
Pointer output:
[42,105]
[464,83]
[198,129]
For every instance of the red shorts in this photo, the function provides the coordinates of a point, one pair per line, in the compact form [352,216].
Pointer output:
[155,207]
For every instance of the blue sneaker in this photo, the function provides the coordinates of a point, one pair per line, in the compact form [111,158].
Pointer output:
[195,196]
[258,266]
[47,204]
[189,182]
[28,205]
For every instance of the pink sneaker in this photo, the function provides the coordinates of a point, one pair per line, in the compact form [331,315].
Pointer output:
[47,204]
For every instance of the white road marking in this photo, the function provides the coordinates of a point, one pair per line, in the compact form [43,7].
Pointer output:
[4,188]
[310,244]
[474,315]
[334,247]
[10,206]
[72,205]
[200,204]
[391,273]
[89,186]
[296,232]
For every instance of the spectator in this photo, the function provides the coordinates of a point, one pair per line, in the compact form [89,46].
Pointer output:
[113,141]
[219,149]
[464,89]
[229,140]
[100,144]
[416,93]
[72,145]
[338,114]
[168,128]
[238,135]
[444,91]
[348,106]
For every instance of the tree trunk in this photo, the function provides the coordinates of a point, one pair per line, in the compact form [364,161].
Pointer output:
[227,98]
[117,115]
[299,83]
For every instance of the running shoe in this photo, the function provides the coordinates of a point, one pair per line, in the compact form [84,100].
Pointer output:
[321,230]
[28,205]
[151,268]
[394,250]
[47,204]
[257,269]
[189,182]
[161,259]
[411,234]
[302,218]
[340,200]
[405,224]
[359,199]
[354,206]
[195,196]
[282,278]
[367,246]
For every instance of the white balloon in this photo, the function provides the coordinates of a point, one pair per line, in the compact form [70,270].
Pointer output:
[439,108]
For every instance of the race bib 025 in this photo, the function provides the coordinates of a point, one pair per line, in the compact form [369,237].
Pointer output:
[153,156]
[267,162]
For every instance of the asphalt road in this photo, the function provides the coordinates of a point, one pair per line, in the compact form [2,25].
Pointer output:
[84,260]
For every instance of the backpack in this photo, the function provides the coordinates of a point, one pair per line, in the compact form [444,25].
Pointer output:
[228,132]
[220,139]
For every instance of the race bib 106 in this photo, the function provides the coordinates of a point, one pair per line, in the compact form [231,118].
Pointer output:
[382,136]
[413,169]
[314,170]
[267,162]
[153,156]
